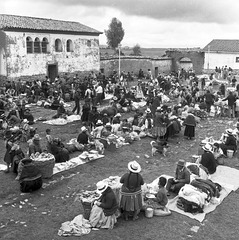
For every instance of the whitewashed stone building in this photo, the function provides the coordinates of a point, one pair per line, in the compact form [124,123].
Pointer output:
[37,46]
[221,52]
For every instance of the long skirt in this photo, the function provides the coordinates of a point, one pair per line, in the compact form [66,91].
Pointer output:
[189,131]
[131,202]
[159,131]
[99,220]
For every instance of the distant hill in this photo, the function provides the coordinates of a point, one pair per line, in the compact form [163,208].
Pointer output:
[147,52]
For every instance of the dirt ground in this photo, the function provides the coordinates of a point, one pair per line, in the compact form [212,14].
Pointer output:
[39,215]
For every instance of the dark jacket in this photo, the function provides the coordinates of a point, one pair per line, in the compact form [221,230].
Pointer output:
[190,120]
[83,138]
[108,202]
[230,99]
[208,160]
[131,182]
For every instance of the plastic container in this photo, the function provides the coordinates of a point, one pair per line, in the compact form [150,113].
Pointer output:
[149,212]
[230,153]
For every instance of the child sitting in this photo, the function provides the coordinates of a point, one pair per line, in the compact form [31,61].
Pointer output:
[160,200]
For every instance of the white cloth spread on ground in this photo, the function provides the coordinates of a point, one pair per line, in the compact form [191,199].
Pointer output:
[62,121]
[77,227]
[3,167]
[74,162]
[228,184]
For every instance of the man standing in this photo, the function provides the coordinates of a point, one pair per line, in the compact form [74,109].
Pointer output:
[77,102]
[99,92]
[231,99]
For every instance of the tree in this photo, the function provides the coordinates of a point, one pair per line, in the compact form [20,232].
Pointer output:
[115,33]
[136,50]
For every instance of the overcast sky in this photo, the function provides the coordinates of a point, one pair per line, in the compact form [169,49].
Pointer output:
[149,23]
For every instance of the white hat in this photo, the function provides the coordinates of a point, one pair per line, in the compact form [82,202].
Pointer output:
[118,115]
[25,121]
[108,124]
[83,129]
[158,109]
[134,167]
[229,131]
[148,110]
[207,147]
[99,122]
[101,186]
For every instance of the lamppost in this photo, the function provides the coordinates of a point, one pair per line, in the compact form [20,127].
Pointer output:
[119,48]
[208,52]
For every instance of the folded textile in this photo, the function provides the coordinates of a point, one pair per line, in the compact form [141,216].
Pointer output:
[77,227]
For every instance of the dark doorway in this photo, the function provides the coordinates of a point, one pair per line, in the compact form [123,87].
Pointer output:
[52,71]
[156,72]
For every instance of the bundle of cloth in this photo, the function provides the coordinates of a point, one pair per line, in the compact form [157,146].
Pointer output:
[194,196]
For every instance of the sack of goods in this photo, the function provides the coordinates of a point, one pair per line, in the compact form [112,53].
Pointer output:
[29,176]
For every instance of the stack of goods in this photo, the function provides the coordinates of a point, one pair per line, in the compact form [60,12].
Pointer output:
[89,156]
[87,199]
[193,197]
[45,162]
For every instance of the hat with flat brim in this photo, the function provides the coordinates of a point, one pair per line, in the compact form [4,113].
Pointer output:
[207,147]
[229,131]
[134,167]
[181,162]
[101,186]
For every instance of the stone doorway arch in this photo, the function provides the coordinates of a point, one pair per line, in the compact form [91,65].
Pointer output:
[185,63]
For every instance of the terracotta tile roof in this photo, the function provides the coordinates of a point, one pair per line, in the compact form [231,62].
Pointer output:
[32,23]
[222,45]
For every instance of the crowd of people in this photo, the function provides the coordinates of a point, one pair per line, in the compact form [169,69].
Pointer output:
[170,104]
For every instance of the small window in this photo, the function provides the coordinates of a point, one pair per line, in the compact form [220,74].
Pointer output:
[88,43]
[37,46]
[29,45]
[237,59]
[69,46]
[58,45]
[45,45]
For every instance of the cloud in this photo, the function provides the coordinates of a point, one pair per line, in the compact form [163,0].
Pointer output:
[204,11]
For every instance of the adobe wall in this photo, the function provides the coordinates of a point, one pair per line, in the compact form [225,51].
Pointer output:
[85,56]
[134,63]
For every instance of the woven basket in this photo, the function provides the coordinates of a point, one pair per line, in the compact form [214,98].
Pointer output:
[87,206]
[45,167]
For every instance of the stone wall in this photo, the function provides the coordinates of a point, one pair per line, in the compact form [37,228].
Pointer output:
[134,63]
[84,57]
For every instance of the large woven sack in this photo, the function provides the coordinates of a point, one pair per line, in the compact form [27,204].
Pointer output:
[31,184]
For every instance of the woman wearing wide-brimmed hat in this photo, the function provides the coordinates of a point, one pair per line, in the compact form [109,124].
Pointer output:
[230,143]
[104,210]
[131,193]
[208,160]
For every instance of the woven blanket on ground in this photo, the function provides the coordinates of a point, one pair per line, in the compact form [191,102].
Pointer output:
[228,184]
[62,121]
[74,162]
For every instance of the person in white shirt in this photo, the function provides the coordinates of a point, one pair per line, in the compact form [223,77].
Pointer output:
[99,92]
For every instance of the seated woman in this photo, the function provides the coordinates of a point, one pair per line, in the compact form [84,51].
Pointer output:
[60,153]
[107,130]
[104,211]
[208,160]
[34,145]
[13,119]
[160,200]
[182,177]
[98,129]
[55,104]
[61,112]
[28,115]
[230,143]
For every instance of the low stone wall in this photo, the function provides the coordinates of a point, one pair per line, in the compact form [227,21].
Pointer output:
[133,64]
